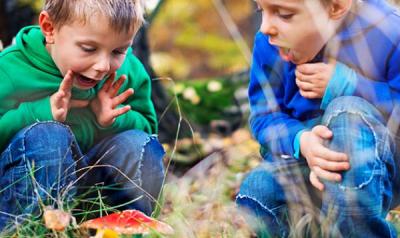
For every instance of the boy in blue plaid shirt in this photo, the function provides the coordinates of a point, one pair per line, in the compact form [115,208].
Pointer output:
[325,82]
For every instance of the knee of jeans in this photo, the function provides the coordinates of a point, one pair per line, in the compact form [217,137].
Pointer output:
[262,201]
[48,135]
[146,147]
[260,187]
[368,150]
[352,104]
[131,138]
[364,171]
[153,154]
[154,148]
[48,139]
[360,191]
[358,130]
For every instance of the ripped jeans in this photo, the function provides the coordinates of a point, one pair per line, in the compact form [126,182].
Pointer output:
[43,164]
[280,200]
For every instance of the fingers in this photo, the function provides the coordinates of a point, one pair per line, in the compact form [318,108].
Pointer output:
[322,131]
[323,152]
[118,112]
[310,69]
[107,85]
[315,181]
[331,165]
[306,77]
[58,99]
[117,85]
[327,175]
[122,97]
[67,82]
[61,101]
[60,114]
[304,85]
[331,155]
[62,96]
[310,94]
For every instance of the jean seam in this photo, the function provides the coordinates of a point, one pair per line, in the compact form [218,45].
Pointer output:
[141,160]
[239,196]
[361,115]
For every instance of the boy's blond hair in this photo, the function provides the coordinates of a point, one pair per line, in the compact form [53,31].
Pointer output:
[123,15]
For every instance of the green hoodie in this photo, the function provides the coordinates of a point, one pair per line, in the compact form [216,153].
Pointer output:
[29,76]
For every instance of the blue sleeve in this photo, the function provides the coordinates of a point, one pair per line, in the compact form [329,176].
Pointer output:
[296,144]
[383,93]
[270,124]
[342,83]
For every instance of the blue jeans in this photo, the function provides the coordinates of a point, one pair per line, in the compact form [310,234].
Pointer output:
[280,200]
[44,164]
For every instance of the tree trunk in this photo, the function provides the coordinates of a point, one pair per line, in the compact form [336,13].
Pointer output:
[168,124]
[12,18]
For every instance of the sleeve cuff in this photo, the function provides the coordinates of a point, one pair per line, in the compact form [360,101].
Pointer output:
[296,144]
[342,83]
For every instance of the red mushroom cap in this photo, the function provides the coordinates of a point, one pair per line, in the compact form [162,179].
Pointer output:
[128,222]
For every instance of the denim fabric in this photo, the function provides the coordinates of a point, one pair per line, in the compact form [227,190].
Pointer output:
[279,196]
[43,163]
[132,163]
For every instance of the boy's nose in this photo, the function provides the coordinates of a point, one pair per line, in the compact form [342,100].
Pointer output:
[267,27]
[102,65]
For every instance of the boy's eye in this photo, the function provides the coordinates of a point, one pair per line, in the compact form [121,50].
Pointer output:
[119,51]
[286,15]
[88,48]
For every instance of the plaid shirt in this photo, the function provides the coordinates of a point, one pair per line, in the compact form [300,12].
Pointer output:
[368,66]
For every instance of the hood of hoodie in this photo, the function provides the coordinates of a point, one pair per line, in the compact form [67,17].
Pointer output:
[31,42]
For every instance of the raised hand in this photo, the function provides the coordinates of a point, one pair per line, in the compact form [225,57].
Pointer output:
[61,102]
[323,162]
[105,104]
[312,79]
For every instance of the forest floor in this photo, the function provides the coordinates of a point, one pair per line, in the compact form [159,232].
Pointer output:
[200,200]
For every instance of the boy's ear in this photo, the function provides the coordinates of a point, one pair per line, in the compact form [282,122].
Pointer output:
[339,8]
[47,27]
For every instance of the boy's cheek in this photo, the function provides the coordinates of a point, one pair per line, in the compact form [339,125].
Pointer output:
[117,63]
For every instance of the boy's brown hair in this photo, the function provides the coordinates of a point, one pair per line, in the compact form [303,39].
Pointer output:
[123,15]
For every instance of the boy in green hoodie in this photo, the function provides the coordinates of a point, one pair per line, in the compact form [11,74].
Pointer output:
[75,110]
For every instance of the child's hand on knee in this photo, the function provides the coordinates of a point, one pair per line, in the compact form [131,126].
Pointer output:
[323,162]
[105,104]
[312,79]
[61,102]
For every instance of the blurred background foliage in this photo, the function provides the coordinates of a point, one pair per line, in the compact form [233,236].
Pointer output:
[189,39]
[198,43]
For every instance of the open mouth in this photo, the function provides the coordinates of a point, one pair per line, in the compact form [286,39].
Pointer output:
[285,54]
[85,82]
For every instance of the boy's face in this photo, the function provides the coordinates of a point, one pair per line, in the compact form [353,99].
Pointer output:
[299,28]
[92,50]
